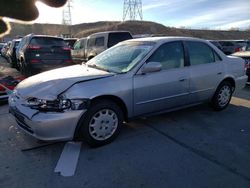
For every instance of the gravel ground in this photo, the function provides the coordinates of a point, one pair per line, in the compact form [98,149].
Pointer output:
[6,70]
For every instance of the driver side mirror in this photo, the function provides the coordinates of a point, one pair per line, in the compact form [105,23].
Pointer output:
[151,67]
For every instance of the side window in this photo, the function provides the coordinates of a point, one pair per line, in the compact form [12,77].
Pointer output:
[99,41]
[82,46]
[170,55]
[91,42]
[199,53]
[77,45]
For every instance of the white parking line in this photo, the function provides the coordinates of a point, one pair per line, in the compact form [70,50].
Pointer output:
[67,162]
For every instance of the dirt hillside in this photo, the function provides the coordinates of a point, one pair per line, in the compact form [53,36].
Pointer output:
[135,27]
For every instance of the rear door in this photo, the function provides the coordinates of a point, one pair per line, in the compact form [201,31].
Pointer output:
[206,70]
[167,88]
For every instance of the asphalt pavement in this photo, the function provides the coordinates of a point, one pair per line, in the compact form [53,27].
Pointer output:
[192,148]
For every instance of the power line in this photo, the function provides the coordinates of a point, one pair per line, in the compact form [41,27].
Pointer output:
[132,9]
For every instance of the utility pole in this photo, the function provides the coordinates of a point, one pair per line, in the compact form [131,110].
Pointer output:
[67,18]
[132,9]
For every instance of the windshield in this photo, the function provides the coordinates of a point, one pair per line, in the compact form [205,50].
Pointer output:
[122,57]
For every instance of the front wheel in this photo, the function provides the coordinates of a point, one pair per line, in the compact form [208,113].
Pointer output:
[102,123]
[222,96]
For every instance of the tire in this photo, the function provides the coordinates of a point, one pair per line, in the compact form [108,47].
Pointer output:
[27,71]
[89,58]
[22,68]
[97,123]
[12,64]
[222,96]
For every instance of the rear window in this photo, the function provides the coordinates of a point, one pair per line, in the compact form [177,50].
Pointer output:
[70,42]
[47,41]
[115,38]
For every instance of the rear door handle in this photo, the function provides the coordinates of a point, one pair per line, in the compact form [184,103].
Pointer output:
[219,73]
[182,79]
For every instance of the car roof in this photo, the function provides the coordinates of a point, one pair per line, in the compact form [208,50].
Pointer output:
[165,39]
[17,40]
[70,39]
[108,32]
[46,36]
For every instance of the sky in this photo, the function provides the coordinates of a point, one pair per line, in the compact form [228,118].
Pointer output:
[197,14]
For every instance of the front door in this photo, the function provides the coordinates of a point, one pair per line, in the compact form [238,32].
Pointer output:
[167,88]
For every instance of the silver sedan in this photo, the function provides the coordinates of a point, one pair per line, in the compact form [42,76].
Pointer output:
[134,78]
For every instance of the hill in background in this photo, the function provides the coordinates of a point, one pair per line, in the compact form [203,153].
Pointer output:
[135,27]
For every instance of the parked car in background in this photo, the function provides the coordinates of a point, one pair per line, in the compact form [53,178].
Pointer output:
[11,53]
[245,48]
[87,48]
[1,47]
[241,43]
[70,42]
[246,56]
[38,53]
[217,44]
[230,46]
[134,78]
[5,49]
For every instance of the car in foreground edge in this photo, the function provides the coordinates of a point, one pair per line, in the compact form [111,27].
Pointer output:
[134,78]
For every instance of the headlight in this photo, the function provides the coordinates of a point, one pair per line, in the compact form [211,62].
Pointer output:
[57,105]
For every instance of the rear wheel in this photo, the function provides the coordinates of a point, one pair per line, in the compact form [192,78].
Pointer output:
[102,123]
[12,63]
[222,96]
[22,68]
[27,71]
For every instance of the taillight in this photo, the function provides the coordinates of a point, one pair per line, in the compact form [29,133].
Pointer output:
[68,61]
[66,48]
[33,47]
[34,61]
[238,49]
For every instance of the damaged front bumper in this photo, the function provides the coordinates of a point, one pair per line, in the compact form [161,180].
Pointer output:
[46,126]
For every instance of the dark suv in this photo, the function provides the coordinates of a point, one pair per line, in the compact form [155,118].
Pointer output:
[38,53]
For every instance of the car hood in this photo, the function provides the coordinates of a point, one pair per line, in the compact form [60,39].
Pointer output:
[50,84]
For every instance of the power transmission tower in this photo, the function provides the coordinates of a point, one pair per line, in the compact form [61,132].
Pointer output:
[132,9]
[67,18]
